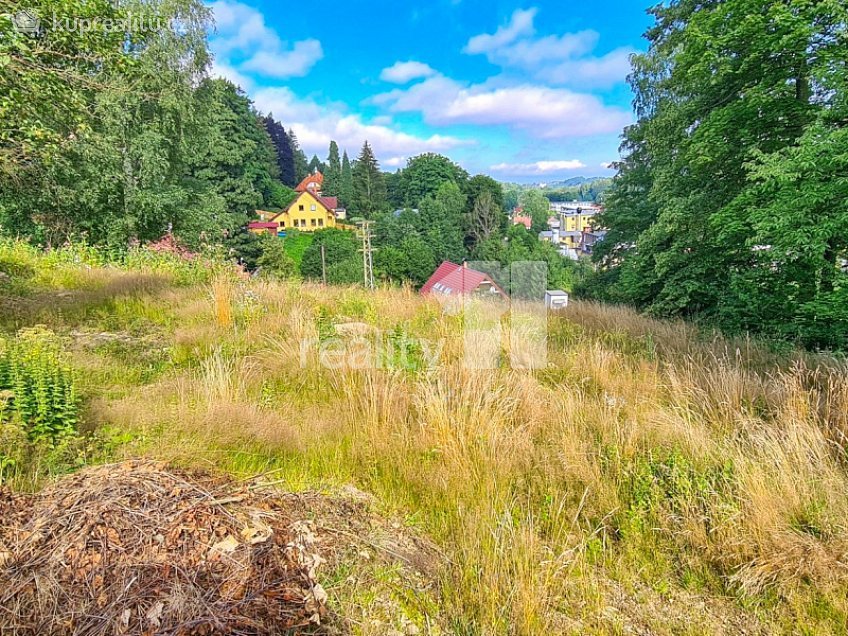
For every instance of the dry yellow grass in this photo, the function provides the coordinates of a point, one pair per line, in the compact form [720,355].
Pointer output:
[652,478]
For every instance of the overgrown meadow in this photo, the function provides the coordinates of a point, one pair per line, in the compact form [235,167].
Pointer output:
[655,478]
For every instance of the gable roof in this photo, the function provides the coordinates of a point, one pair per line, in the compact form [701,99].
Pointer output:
[451,279]
[323,201]
[313,178]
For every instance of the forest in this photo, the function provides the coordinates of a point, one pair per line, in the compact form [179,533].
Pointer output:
[731,200]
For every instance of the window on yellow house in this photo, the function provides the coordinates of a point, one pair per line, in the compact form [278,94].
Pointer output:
[314,223]
[300,207]
[314,207]
[320,222]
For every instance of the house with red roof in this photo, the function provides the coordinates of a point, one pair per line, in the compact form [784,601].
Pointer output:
[451,279]
[309,212]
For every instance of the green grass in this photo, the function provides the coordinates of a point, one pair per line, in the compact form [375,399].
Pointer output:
[652,469]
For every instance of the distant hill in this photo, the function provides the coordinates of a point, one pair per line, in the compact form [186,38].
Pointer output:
[573,181]
[573,189]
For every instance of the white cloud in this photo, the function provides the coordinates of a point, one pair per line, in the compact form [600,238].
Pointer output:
[545,113]
[243,42]
[294,63]
[520,24]
[403,72]
[538,168]
[560,59]
[394,162]
[316,124]
[224,70]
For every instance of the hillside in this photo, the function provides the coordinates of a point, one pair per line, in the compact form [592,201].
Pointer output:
[654,479]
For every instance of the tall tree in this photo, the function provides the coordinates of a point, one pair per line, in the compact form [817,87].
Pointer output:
[537,207]
[346,182]
[440,222]
[425,174]
[333,174]
[231,158]
[283,150]
[316,165]
[735,101]
[93,132]
[369,187]
[301,164]
[485,219]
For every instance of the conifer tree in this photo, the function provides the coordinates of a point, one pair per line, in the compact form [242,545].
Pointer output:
[301,163]
[346,182]
[333,174]
[369,186]
[282,146]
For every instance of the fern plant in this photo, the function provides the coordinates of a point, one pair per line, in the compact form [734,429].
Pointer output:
[39,388]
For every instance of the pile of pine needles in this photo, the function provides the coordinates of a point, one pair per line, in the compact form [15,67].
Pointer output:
[140,548]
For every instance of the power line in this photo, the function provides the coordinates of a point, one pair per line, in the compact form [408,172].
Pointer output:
[367,253]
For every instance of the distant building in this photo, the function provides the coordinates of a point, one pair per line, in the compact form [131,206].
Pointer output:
[309,212]
[451,279]
[590,239]
[518,218]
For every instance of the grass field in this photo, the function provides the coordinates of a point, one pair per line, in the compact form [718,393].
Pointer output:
[653,479]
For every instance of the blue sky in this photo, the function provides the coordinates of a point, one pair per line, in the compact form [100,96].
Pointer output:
[527,92]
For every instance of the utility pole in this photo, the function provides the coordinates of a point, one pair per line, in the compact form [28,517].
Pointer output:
[323,266]
[367,253]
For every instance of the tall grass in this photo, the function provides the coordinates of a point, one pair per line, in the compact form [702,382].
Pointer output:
[651,471]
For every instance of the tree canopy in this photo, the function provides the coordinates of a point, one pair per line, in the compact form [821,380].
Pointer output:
[729,202]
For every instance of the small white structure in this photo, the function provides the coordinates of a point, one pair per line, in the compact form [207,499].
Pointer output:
[556,299]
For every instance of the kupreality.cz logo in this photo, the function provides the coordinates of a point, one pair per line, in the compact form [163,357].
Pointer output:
[27,22]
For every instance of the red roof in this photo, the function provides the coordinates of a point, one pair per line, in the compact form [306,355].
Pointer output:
[451,279]
[330,202]
[526,221]
[316,178]
[262,225]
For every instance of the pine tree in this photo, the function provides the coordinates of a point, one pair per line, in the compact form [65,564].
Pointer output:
[369,187]
[333,174]
[282,146]
[316,165]
[346,182]
[301,164]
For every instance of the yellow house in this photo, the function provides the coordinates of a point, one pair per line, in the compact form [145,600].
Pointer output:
[309,212]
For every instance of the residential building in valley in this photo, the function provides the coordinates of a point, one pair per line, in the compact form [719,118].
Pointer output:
[309,212]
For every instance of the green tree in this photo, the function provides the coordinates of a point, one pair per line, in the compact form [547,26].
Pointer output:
[316,165]
[346,184]
[538,208]
[231,158]
[369,188]
[739,104]
[274,261]
[341,252]
[333,175]
[440,222]
[283,149]
[425,174]
[301,164]
[116,126]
